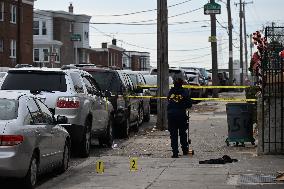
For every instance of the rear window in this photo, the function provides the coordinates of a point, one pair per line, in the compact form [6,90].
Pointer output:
[43,81]
[8,109]
[107,81]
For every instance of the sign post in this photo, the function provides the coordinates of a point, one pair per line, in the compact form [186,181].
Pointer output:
[212,8]
[75,38]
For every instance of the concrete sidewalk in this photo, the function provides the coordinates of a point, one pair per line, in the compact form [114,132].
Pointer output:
[208,131]
[154,173]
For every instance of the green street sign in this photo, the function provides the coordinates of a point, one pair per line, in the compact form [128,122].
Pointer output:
[212,8]
[76,37]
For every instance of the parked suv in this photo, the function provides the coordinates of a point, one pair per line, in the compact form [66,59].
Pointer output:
[138,82]
[118,86]
[72,93]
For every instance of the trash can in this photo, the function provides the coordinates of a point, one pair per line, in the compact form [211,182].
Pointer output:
[240,123]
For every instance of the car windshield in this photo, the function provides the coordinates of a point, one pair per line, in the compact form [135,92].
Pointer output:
[8,109]
[107,81]
[42,81]
[172,73]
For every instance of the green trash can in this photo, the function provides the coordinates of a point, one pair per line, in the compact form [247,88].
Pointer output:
[240,123]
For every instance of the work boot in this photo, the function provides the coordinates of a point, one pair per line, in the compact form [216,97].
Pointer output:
[175,156]
[185,152]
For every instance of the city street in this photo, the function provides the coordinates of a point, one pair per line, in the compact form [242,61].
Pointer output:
[208,131]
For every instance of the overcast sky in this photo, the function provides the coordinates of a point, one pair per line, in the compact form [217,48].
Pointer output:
[184,38]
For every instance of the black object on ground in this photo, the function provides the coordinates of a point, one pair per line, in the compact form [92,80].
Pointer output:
[225,159]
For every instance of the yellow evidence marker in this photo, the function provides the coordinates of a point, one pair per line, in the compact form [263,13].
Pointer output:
[133,164]
[100,167]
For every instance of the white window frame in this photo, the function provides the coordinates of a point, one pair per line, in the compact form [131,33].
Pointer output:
[38,55]
[38,30]
[13,14]
[43,23]
[2,11]
[57,57]
[43,55]
[13,48]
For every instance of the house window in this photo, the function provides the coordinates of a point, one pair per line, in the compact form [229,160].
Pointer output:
[36,27]
[1,11]
[13,14]
[86,34]
[13,49]
[36,55]
[45,55]
[1,45]
[57,57]
[43,28]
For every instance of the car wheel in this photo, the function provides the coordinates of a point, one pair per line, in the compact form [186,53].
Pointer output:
[140,116]
[107,139]
[136,126]
[66,157]
[125,128]
[85,145]
[30,179]
[147,116]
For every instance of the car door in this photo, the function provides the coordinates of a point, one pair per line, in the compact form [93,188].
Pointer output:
[134,102]
[105,109]
[57,141]
[37,122]
[95,95]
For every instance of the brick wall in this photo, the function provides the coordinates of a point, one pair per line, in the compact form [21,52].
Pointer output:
[135,63]
[62,33]
[8,31]
[107,57]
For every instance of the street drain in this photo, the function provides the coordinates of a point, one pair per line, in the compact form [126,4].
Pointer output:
[257,179]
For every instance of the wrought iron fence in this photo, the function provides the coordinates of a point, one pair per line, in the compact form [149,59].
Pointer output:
[273,92]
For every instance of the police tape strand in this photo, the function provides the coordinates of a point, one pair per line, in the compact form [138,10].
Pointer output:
[200,87]
[202,99]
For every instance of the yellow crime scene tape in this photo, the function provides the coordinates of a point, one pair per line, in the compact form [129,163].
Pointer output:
[200,87]
[202,99]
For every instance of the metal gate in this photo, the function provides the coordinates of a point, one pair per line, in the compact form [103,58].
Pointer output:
[273,92]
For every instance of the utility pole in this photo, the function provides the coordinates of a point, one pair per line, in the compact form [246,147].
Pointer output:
[19,21]
[230,28]
[245,36]
[162,63]
[215,80]
[241,43]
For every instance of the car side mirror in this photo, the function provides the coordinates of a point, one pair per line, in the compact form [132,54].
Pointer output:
[61,120]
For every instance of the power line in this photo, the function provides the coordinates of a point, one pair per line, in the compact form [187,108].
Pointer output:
[139,12]
[125,23]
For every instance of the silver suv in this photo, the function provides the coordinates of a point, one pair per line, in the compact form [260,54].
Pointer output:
[72,93]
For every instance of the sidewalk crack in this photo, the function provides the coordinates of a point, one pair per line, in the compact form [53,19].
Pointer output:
[156,178]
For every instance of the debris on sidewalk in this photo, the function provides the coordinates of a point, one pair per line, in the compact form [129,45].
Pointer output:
[225,159]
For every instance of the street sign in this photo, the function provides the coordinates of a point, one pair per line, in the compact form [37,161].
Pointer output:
[212,8]
[212,39]
[76,37]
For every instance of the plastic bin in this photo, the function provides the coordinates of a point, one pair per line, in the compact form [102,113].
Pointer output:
[240,123]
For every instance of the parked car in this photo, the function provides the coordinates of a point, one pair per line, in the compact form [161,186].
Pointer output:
[117,86]
[195,78]
[72,93]
[31,140]
[151,80]
[144,103]
[173,72]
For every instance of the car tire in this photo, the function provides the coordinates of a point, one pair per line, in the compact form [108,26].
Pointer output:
[30,179]
[85,145]
[140,115]
[107,139]
[136,126]
[66,158]
[125,128]
[147,116]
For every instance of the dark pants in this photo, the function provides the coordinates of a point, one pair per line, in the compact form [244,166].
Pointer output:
[178,127]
